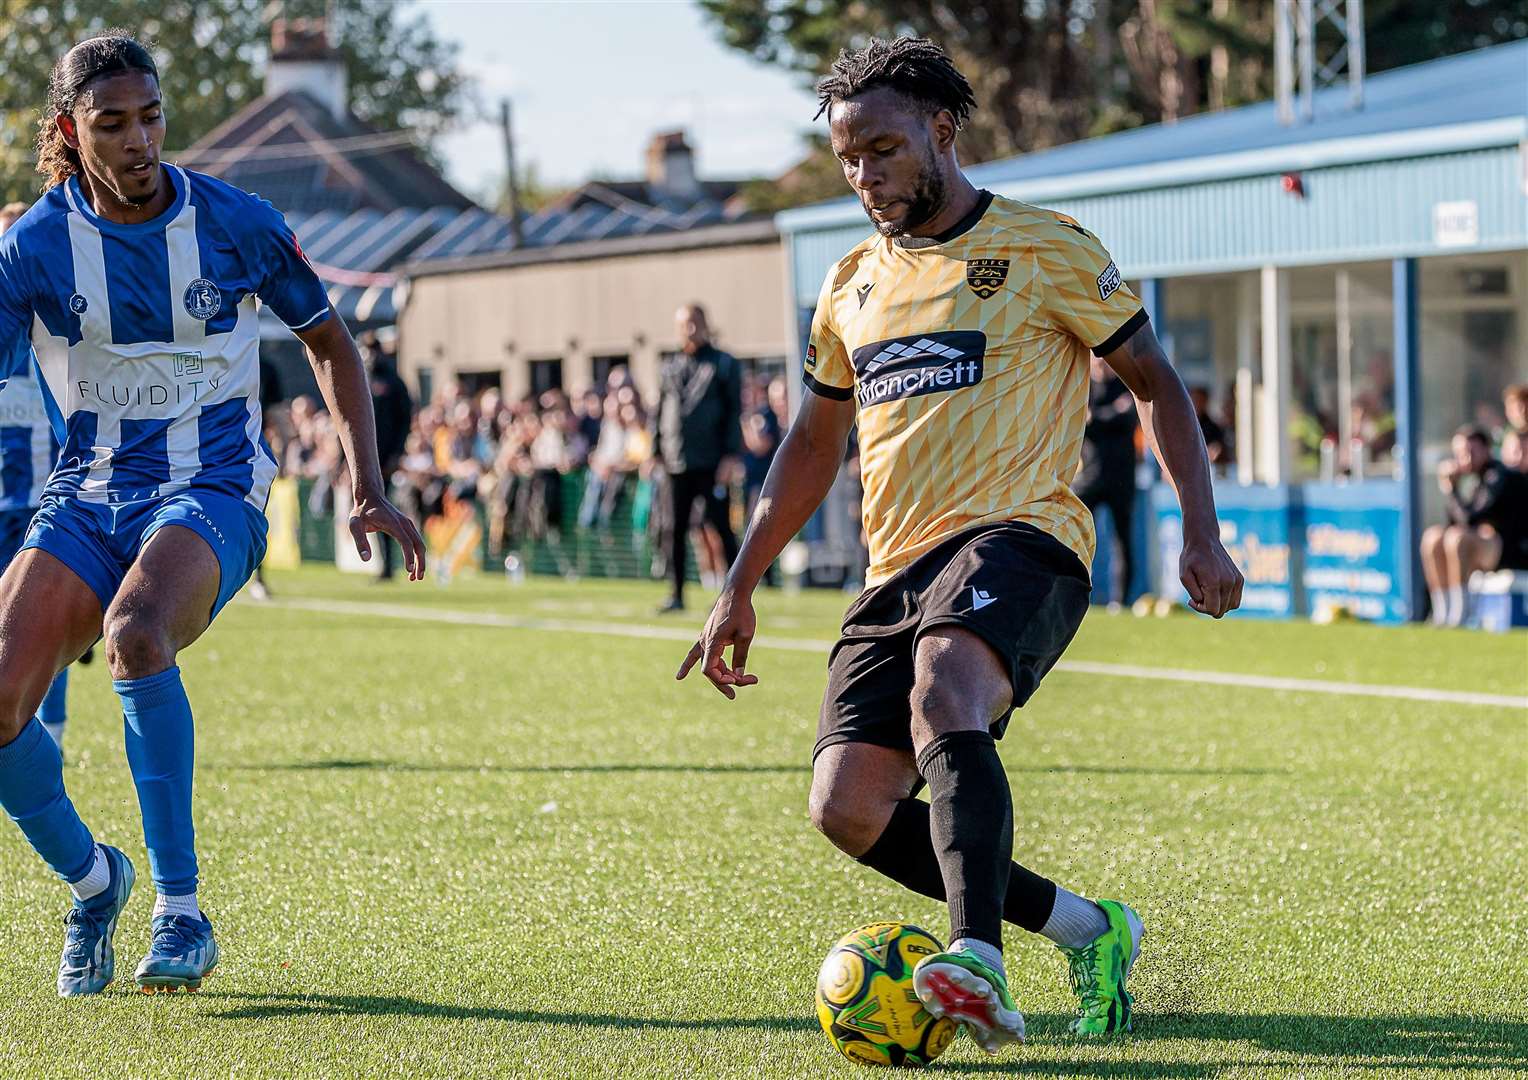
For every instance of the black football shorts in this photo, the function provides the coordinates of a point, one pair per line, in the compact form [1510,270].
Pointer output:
[1021,590]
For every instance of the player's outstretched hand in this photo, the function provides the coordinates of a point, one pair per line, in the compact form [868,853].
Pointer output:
[376,514]
[1213,582]
[732,622]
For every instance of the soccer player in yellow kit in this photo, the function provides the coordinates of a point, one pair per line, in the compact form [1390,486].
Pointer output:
[957,338]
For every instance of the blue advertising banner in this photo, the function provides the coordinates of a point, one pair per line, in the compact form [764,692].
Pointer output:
[1255,527]
[1352,550]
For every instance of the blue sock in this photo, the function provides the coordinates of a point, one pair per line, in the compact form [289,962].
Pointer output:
[32,792]
[52,714]
[160,752]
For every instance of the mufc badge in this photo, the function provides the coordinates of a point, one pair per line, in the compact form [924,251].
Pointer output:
[986,276]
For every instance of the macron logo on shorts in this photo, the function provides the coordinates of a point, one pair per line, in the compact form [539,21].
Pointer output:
[980,598]
[918,364]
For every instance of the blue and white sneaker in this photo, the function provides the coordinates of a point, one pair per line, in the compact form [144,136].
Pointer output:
[181,955]
[89,962]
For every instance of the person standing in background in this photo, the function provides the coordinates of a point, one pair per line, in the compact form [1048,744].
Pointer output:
[1107,476]
[28,450]
[394,411]
[697,437]
[1514,444]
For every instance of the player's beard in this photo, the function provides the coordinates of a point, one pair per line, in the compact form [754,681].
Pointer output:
[926,203]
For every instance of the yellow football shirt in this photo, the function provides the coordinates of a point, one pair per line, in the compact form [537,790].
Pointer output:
[967,357]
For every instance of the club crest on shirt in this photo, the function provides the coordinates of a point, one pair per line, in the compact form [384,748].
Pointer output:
[986,276]
[202,299]
[78,304]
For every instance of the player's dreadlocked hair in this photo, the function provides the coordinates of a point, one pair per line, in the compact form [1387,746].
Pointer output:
[111,52]
[916,68]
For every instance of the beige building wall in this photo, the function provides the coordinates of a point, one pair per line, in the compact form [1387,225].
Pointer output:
[501,319]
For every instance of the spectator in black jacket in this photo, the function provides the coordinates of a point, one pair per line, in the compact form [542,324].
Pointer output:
[697,436]
[1107,476]
[1488,525]
[394,412]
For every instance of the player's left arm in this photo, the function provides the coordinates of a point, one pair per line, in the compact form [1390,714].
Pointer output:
[288,284]
[342,380]
[1172,430]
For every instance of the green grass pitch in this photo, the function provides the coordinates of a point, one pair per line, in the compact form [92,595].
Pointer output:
[518,848]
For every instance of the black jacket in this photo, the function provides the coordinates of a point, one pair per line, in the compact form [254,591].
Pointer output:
[700,406]
[1497,497]
[1108,442]
[394,411]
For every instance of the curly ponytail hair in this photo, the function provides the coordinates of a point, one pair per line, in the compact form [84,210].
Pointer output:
[110,53]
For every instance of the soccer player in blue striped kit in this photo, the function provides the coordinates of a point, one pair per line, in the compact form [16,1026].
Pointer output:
[137,282]
[28,449]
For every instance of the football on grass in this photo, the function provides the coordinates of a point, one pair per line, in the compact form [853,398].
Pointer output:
[865,998]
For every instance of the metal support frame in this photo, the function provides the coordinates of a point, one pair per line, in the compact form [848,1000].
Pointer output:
[1408,427]
[1301,67]
[1275,461]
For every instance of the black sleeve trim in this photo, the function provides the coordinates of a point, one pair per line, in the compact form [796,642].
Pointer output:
[837,393]
[1123,334]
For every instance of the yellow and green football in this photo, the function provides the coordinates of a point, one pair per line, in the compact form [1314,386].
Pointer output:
[865,998]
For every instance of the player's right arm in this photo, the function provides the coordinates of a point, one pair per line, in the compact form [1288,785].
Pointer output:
[799,479]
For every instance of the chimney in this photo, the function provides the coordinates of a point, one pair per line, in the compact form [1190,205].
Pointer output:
[671,168]
[302,59]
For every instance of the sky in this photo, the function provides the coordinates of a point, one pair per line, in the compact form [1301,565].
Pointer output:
[591,80]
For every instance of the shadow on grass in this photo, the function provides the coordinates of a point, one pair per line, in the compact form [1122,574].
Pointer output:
[1379,1044]
[293,1006]
[425,767]
[380,765]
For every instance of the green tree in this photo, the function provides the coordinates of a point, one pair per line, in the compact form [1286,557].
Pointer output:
[211,56]
[535,194]
[1053,71]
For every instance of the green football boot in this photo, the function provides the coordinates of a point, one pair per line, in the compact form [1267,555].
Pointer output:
[1098,970]
[960,986]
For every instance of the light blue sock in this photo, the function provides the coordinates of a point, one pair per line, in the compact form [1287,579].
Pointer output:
[32,792]
[53,714]
[160,752]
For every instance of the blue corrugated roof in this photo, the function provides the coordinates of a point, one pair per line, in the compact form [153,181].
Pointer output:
[373,242]
[1472,88]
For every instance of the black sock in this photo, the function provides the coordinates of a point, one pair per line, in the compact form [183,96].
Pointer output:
[971,826]
[904,852]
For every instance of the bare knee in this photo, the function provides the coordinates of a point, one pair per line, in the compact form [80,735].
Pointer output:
[852,823]
[137,645]
[1432,538]
[1456,539]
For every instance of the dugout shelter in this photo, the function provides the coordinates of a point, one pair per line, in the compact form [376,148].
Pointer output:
[1348,290]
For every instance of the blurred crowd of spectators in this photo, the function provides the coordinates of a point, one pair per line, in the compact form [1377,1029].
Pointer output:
[463,454]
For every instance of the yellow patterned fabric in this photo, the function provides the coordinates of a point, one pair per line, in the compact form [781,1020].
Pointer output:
[968,362]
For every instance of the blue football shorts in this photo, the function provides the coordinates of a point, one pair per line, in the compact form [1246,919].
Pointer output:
[100,541]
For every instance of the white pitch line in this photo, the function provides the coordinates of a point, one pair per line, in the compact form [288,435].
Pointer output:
[817,645]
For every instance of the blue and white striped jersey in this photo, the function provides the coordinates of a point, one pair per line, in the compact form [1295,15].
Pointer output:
[146,336]
[28,447]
